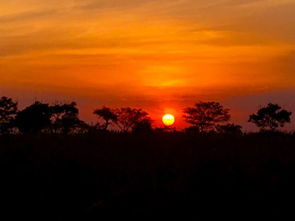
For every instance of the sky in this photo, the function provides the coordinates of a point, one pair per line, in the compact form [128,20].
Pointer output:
[159,55]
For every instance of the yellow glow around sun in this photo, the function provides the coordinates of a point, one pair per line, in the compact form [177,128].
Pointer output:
[168,119]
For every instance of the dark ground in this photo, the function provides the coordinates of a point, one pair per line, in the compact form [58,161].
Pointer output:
[108,176]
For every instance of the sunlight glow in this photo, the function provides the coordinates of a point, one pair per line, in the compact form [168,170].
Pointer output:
[168,120]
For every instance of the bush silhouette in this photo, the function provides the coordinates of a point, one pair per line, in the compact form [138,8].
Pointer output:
[231,129]
[144,126]
[270,117]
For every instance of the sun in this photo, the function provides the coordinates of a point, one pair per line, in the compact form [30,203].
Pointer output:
[168,120]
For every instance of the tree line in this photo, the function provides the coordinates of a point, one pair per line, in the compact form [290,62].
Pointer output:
[203,117]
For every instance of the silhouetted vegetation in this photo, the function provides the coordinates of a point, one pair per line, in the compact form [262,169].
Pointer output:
[270,117]
[54,166]
[128,119]
[106,115]
[34,118]
[65,120]
[205,116]
[8,110]
[231,129]
[40,117]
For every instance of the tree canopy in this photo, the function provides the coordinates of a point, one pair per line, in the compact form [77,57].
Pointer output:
[130,118]
[34,118]
[205,116]
[270,117]
[106,117]
[63,118]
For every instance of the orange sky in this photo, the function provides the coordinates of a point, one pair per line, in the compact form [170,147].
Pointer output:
[161,55]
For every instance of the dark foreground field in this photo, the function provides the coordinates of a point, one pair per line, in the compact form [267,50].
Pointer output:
[93,177]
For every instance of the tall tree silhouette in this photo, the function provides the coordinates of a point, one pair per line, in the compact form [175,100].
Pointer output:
[270,117]
[130,118]
[205,116]
[8,110]
[34,118]
[106,115]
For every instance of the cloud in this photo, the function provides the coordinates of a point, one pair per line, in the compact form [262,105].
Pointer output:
[26,16]
[107,4]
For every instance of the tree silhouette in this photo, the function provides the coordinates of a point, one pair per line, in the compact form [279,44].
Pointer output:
[129,118]
[41,117]
[270,117]
[206,115]
[106,115]
[8,110]
[34,118]
[64,118]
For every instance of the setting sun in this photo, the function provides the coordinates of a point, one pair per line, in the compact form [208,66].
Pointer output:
[168,119]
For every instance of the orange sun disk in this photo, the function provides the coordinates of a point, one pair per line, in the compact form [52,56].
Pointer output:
[168,120]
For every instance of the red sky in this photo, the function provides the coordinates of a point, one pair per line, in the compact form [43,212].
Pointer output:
[161,55]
